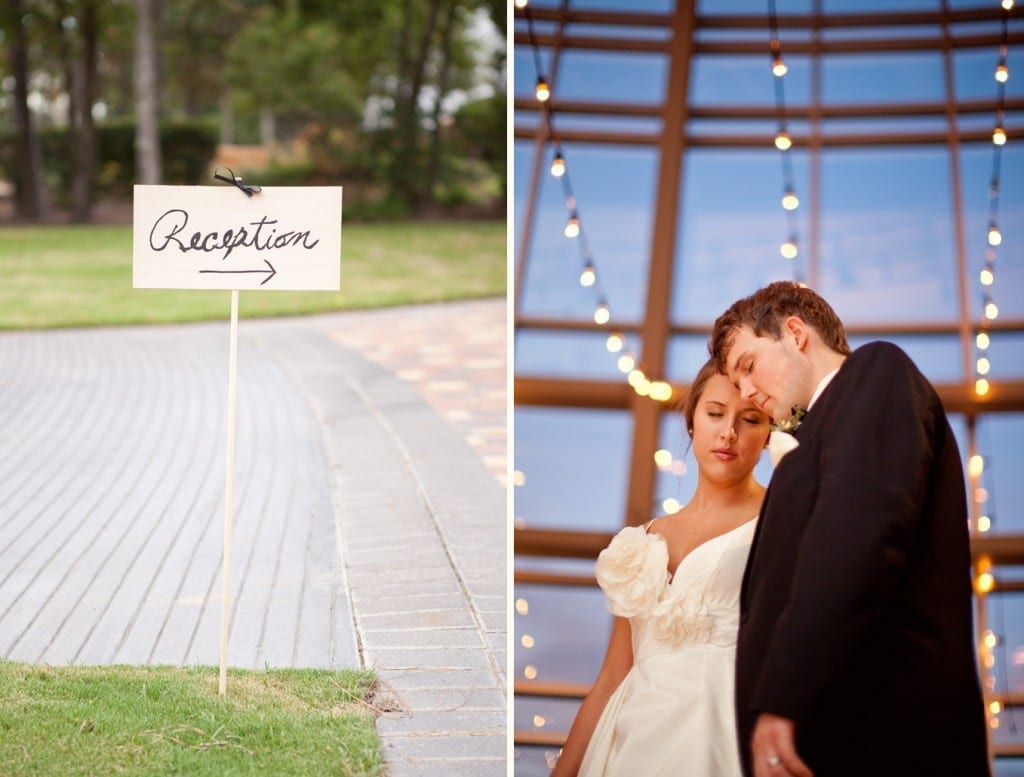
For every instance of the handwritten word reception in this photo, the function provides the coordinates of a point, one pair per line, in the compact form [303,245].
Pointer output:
[211,237]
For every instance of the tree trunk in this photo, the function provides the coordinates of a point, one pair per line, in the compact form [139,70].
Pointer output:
[408,181]
[31,199]
[434,163]
[148,162]
[83,143]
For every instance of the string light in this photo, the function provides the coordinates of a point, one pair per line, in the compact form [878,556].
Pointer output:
[994,238]
[572,226]
[615,342]
[558,165]
[589,277]
[543,90]
[783,141]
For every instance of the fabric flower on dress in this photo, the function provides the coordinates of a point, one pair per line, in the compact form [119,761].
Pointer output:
[633,571]
[779,444]
[685,618]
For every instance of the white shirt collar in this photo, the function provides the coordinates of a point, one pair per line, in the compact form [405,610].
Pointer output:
[821,387]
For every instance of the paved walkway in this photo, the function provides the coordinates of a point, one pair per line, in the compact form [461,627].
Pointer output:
[370,508]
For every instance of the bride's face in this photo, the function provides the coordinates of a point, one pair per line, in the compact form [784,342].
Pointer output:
[729,432]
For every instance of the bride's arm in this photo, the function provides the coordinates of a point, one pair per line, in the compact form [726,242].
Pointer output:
[617,662]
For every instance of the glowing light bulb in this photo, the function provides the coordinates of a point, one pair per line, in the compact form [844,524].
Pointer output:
[975,465]
[1007,5]
[982,341]
[572,226]
[986,276]
[789,249]
[635,377]
[790,201]
[984,523]
[995,707]
[661,391]
[518,478]
[991,311]
[1002,73]
[995,237]
[521,3]
[615,342]
[779,68]
[626,362]
[601,313]
[588,275]
[980,495]
[670,505]
[999,136]
[558,165]
[538,721]
[783,141]
[530,672]
[983,366]
[522,607]
[984,583]
[989,639]
[527,641]
[543,91]
[981,387]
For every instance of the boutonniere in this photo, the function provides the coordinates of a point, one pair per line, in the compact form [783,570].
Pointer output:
[791,424]
[781,441]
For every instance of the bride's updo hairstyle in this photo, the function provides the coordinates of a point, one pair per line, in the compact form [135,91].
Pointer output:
[706,373]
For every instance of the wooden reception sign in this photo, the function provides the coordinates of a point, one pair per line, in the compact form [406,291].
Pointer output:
[214,237]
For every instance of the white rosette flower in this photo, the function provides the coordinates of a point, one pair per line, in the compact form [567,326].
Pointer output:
[633,571]
[685,618]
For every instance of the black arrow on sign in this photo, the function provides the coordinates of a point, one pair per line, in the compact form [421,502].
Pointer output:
[271,272]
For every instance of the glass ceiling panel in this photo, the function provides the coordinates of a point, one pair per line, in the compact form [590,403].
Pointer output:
[614,188]
[887,236]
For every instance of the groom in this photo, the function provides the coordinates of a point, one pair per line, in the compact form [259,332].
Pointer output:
[855,652]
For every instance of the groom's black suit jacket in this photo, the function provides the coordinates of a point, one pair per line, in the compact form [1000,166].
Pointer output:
[856,604]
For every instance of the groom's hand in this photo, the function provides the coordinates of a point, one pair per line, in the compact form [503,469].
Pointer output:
[774,748]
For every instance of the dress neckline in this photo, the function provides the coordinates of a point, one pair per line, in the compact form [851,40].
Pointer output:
[672,575]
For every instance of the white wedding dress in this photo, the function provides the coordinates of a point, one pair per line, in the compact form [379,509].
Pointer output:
[673,714]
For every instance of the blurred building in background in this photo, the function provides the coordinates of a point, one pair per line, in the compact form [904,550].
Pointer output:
[653,187]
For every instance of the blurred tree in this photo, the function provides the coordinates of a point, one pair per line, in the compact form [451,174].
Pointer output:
[78,30]
[30,202]
[147,92]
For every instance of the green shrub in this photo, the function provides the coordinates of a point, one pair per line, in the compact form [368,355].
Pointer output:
[187,148]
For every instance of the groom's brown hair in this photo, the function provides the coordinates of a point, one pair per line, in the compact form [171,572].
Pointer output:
[764,310]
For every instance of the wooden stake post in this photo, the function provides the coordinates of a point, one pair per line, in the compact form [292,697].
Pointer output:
[209,237]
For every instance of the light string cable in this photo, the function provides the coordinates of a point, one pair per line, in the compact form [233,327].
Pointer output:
[990,310]
[616,342]
[790,248]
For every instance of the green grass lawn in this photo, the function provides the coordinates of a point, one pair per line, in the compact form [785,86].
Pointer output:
[144,720]
[64,276]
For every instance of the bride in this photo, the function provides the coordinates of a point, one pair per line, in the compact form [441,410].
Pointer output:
[662,703]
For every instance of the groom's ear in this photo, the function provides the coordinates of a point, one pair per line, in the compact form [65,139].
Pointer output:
[796,328]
